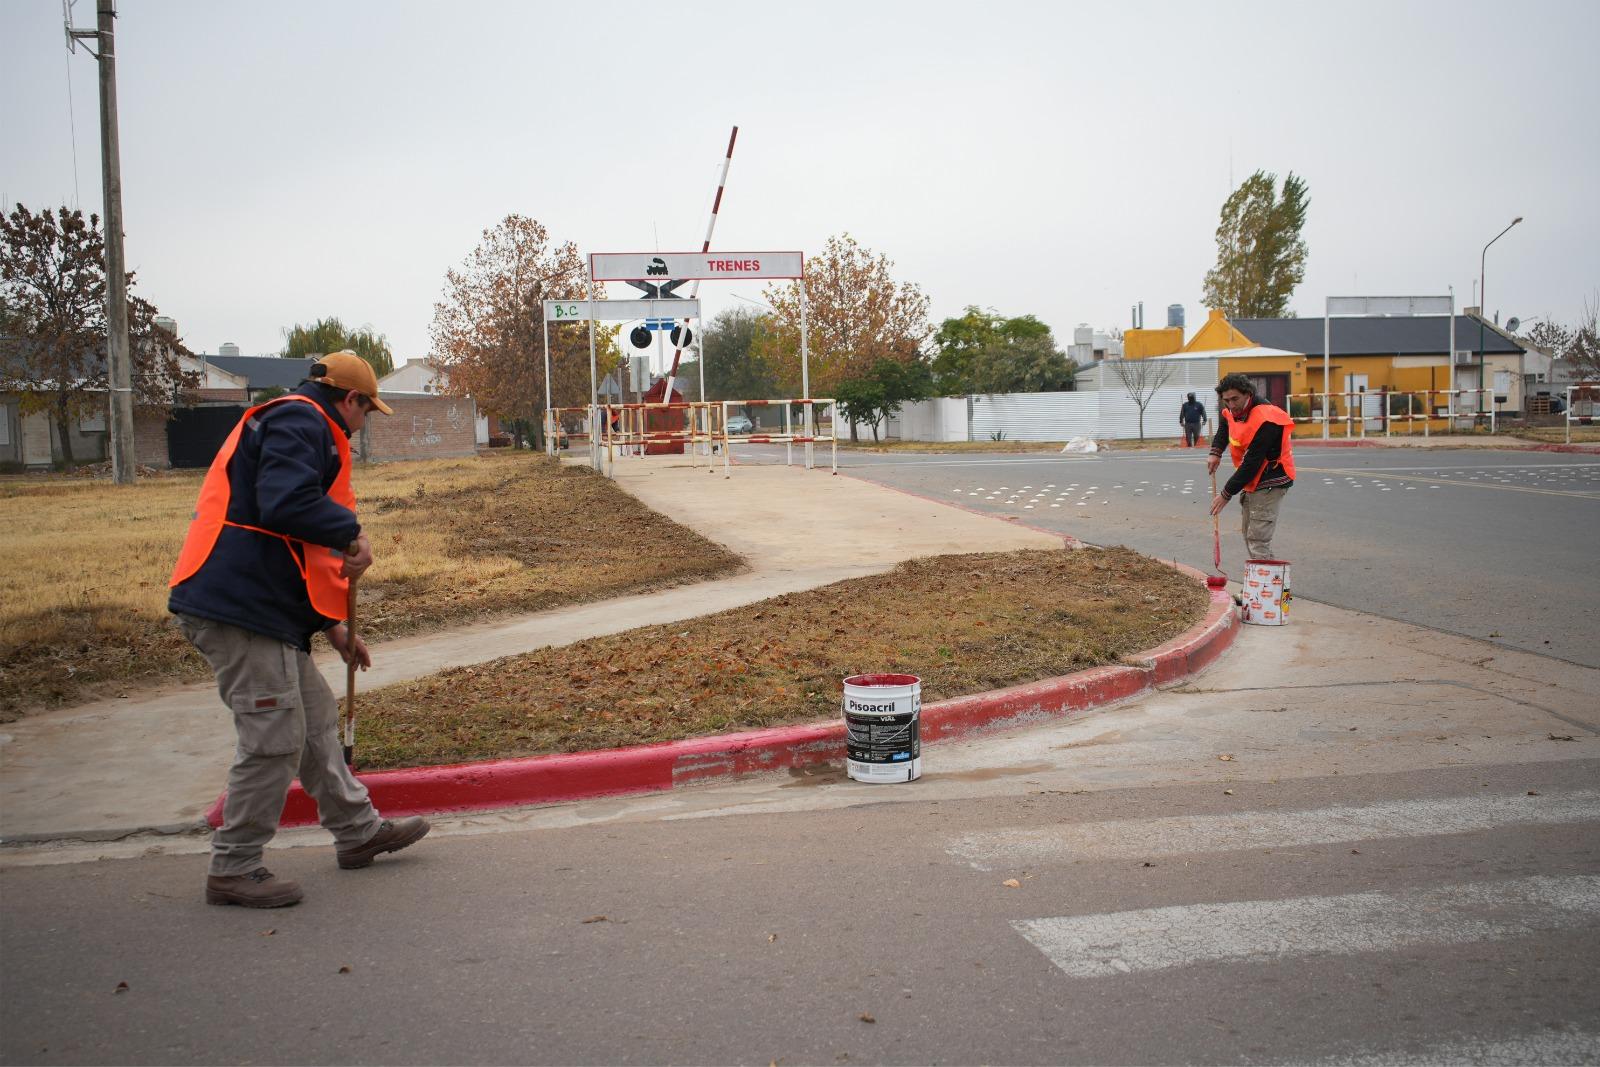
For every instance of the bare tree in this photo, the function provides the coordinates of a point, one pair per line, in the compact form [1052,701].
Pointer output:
[1141,378]
[1584,348]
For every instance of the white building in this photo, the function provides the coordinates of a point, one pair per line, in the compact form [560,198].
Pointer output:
[424,377]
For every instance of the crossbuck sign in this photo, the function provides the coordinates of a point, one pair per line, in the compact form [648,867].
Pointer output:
[685,266]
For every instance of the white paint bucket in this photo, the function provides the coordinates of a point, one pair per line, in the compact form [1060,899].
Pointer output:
[1266,592]
[882,724]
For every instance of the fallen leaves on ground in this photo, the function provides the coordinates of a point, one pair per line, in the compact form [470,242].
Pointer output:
[456,541]
[964,624]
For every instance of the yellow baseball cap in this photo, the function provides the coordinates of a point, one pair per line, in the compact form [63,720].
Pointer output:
[346,370]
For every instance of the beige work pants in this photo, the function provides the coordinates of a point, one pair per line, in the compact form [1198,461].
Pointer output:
[287,720]
[1259,518]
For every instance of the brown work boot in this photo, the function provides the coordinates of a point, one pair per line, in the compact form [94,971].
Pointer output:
[392,836]
[258,889]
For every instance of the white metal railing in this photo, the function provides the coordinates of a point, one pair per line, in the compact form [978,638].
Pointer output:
[630,429]
[1420,405]
[555,430]
[817,412]
[1582,402]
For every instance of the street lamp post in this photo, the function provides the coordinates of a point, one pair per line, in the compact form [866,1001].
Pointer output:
[1483,308]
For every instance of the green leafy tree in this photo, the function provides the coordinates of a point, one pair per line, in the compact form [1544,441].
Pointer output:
[53,324]
[1261,256]
[881,392]
[985,352]
[735,367]
[329,335]
[856,314]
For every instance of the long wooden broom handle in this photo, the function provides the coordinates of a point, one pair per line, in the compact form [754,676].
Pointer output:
[350,676]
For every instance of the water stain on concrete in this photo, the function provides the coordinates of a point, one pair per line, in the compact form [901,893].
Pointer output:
[814,775]
[988,774]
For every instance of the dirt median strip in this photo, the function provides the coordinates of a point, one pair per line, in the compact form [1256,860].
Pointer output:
[963,623]
[667,765]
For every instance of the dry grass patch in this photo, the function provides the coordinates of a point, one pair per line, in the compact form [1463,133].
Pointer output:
[965,624]
[1557,435]
[83,607]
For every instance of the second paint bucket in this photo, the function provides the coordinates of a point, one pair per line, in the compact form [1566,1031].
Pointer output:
[882,722]
[1266,592]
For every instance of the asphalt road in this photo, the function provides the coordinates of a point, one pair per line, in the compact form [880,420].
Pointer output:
[1426,917]
[1503,546]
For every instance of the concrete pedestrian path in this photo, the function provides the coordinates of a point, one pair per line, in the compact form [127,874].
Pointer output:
[156,761]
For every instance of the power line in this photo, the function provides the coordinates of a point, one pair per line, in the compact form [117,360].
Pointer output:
[72,124]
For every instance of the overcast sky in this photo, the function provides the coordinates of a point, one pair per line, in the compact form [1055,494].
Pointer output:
[287,161]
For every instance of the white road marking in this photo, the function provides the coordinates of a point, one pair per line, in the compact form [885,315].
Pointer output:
[1533,1049]
[1101,946]
[1138,838]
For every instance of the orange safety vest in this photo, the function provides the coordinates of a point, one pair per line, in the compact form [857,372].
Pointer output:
[319,565]
[1240,434]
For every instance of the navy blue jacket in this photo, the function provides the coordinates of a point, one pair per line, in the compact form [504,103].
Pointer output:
[279,479]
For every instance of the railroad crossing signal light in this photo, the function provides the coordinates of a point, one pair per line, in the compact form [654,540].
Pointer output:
[639,337]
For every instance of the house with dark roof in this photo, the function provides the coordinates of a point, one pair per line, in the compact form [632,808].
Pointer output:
[251,374]
[1373,355]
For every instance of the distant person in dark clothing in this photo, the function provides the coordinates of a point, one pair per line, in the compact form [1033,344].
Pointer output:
[1259,436]
[1192,415]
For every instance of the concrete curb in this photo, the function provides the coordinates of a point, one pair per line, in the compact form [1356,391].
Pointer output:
[653,768]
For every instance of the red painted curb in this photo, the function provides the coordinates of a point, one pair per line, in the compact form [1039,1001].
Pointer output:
[652,768]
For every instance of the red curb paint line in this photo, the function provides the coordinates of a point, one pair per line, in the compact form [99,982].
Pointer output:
[663,766]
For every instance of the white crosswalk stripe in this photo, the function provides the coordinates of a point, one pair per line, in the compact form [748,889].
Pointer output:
[1537,1049]
[1097,946]
[995,849]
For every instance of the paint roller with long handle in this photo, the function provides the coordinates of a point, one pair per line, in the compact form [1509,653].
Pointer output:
[350,678]
[1218,580]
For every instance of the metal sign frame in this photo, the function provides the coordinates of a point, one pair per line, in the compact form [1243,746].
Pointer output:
[1380,307]
[655,271]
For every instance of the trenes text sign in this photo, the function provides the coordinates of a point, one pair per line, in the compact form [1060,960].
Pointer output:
[685,266]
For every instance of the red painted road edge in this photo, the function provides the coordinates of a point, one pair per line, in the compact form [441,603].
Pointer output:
[650,768]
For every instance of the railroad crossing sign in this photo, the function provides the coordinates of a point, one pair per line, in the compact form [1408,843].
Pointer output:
[664,270]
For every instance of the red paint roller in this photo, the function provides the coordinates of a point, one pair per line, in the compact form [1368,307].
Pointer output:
[1218,580]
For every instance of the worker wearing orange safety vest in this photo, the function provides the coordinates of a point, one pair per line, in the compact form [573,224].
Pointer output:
[272,548]
[1260,439]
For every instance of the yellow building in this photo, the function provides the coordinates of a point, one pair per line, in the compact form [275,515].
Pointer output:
[1367,355]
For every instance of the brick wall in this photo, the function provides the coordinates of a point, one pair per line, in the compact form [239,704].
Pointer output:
[422,427]
[150,439]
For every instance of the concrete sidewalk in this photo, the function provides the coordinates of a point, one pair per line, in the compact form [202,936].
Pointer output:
[1334,693]
[157,761]
[1499,442]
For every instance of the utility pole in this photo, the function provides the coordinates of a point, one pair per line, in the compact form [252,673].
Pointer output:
[120,371]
